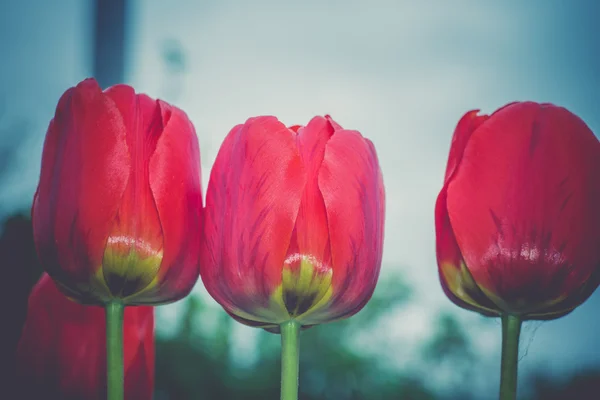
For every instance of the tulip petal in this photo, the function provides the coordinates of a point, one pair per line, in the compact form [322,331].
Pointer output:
[177,189]
[455,278]
[308,270]
[72,222]
[465,127]
[523,205]
[62,349]
[570,302]
[135,245]
[312,232]
[456,281]
[351,183]
[251,205]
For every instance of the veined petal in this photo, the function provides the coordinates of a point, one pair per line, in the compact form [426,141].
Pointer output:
[86,147]
[465,127]
[455,278]
[175,180]
[568,303]
[351,183]
[252,203]
[523,205]
[135,245]
[312,236]
[307,272]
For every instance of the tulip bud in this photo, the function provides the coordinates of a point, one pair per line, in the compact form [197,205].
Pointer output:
[62,349]
[517,221]
[117,211]
[294,223]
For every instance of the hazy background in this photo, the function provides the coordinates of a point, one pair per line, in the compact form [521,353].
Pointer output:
[401,72]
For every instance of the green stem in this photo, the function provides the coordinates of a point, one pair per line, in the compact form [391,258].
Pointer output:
[290,351]
[511,330]
[114,350]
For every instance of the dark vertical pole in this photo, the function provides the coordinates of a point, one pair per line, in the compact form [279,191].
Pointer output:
[109,42]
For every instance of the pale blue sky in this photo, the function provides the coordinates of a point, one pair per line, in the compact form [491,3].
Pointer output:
[401,72]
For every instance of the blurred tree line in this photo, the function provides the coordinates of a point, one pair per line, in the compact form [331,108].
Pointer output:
[192,366]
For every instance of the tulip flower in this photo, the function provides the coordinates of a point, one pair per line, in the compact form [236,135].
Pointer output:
[117,212]
[61,352]
[517,220]
[294,223]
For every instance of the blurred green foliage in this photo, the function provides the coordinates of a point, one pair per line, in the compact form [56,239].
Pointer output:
[334,363]
[582,385]
[331,366]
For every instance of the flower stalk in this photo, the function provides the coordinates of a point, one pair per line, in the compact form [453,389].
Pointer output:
[511,330]
[114,350]
[290,351]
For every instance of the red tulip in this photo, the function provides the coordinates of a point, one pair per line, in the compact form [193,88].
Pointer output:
[294,223]
[62,350]
[518,218]
[117,210]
